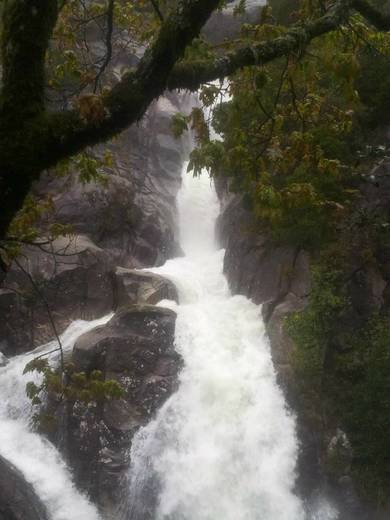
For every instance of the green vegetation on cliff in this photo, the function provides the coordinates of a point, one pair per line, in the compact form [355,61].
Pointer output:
[343,373]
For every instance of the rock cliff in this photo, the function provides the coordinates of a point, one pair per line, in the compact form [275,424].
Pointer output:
[128,223]
[279,277]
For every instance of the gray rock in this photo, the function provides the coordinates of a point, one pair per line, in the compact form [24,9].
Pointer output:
[278,277]
[129,221]
[136,349]
[74,278]
[132,341]
[18,500]
[145,287]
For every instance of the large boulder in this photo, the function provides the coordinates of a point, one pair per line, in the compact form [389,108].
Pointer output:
[18,500]
[136,349]
[49,287]
[145,287]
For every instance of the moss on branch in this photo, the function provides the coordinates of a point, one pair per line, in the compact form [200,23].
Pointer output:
[32,140]
[26,31]
[191,75]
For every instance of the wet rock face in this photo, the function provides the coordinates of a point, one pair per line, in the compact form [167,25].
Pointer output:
[77,282]
[3,360]
[18,500]
[136,349]
[129,221]
[276,276]
[225,25]
[144,287]
[133,215]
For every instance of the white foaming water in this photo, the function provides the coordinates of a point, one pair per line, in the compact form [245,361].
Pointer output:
[224,446]
[38,460]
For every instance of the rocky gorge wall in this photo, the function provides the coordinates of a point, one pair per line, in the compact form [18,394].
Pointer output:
[127,223]
[279,277]
[130,221]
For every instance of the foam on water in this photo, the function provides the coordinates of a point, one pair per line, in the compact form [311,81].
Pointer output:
[224,445]
[32,454]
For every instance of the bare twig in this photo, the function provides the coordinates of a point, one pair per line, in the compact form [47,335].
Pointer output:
[110,29]
[48,310]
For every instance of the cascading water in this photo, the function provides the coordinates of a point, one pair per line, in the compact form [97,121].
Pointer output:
[38,460]
[224,446]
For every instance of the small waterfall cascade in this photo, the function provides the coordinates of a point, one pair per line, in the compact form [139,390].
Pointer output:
[224,446]
[38,460]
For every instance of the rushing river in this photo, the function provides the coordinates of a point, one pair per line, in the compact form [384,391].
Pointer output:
[224,446]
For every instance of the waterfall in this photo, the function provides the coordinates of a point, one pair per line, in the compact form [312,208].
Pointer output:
[224,446]
[38,460]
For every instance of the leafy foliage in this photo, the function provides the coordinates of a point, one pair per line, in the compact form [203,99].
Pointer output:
[67,384]
[290,132]
[343,374]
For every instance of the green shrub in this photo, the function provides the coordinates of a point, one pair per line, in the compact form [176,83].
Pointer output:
[67,384]
[344,375]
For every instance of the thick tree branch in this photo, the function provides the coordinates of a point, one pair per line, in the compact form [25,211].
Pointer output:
[41,141]
[26,31]
[372,14]
[127,102]
[190,75]
[129,99]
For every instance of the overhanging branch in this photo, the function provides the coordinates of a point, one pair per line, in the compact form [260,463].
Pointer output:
[127,102]
[190,75]
[48,138]
[67,133]
[41,140]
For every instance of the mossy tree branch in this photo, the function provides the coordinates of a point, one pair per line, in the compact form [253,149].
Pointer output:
[68,133]
[28,145]
[26,31]
[191,75]
[31,144]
